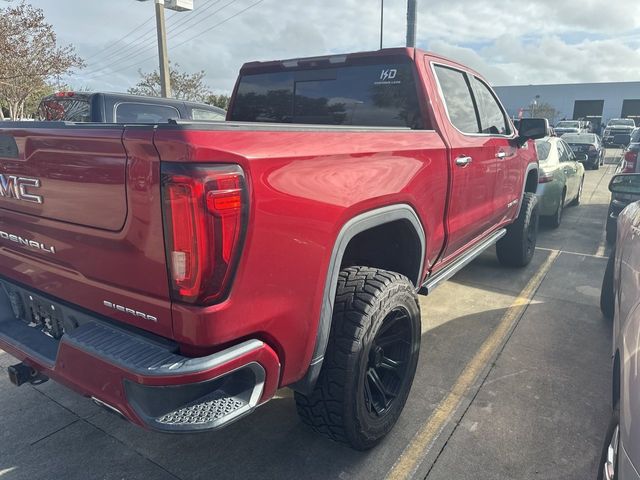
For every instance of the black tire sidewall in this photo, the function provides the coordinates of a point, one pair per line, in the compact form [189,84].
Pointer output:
[362,429]
[556,219]
[513,248]
[607,295]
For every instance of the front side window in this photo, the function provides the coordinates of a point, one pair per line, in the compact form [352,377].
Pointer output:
[132,112]
[458,99]
[493,121]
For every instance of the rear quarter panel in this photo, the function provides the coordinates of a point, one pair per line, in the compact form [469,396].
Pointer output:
[299,201]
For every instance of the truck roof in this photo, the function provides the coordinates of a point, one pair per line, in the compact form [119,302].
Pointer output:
[129,96]
[346,58]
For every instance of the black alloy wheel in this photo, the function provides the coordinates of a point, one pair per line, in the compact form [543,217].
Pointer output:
[387,368]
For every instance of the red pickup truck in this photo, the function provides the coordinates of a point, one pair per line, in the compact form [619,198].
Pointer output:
[180,273]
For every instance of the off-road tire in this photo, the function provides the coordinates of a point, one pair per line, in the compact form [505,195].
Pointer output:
[337,406]
[517,247]
[607,296]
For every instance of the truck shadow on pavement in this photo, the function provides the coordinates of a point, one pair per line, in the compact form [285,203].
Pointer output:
[543,406]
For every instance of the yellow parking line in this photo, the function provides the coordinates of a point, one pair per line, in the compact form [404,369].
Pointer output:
[415,451]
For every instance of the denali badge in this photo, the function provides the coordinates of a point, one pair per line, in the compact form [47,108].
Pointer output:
[25,242]
[130,311]
[15,187]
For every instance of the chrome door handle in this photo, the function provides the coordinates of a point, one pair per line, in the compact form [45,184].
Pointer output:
[463,161]
[501,155]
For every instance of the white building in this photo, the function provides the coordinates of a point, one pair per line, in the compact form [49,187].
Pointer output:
[597,102]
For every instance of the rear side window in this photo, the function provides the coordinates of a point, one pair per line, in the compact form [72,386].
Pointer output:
[132,112]
[544,148]
[202,114]
[493,120]
[563,153]
[458,99]
[381,95]
[65,109]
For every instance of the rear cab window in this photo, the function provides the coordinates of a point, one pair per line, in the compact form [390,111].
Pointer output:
[65,109]
[382,94]
[135,112]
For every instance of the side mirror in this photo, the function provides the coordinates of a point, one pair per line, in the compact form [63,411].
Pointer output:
[581,157]
[623,139]
[625,184]
[532,129]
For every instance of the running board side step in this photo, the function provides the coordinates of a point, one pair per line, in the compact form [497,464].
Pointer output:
[461,262]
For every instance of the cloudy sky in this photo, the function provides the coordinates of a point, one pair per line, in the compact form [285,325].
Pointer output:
[511,42]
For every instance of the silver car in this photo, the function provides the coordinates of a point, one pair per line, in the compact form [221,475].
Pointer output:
[620,300]
[561,178]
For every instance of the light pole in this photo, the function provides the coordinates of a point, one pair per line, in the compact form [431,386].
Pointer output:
[163,56]
[165,79]
[412,22]
[381,22]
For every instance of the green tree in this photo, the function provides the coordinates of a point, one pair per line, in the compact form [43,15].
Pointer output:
[30,58]
[545,110]
[221,101]
[184,86]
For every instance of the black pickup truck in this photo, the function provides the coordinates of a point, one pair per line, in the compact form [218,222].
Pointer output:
[101,107]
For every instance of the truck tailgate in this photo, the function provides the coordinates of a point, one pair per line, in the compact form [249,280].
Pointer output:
[81,220]
[81,174]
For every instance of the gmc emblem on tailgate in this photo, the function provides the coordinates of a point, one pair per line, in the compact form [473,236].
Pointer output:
[12,186]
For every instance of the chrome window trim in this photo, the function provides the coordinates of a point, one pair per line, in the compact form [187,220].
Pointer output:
[433,65]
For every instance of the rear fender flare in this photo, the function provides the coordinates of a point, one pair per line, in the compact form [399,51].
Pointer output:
[531,167]
[353,227]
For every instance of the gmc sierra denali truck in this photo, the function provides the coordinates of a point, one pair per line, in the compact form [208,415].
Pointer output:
[180,273]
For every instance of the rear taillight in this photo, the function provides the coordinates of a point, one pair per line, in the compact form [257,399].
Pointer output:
[205,212]
[629,162]
[545,177]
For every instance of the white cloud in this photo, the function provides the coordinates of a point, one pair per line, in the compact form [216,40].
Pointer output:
[510,42]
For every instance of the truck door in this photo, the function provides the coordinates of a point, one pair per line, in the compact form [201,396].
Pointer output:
[494,124]
[473,161]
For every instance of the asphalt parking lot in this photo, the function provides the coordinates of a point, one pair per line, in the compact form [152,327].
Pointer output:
[513,383]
